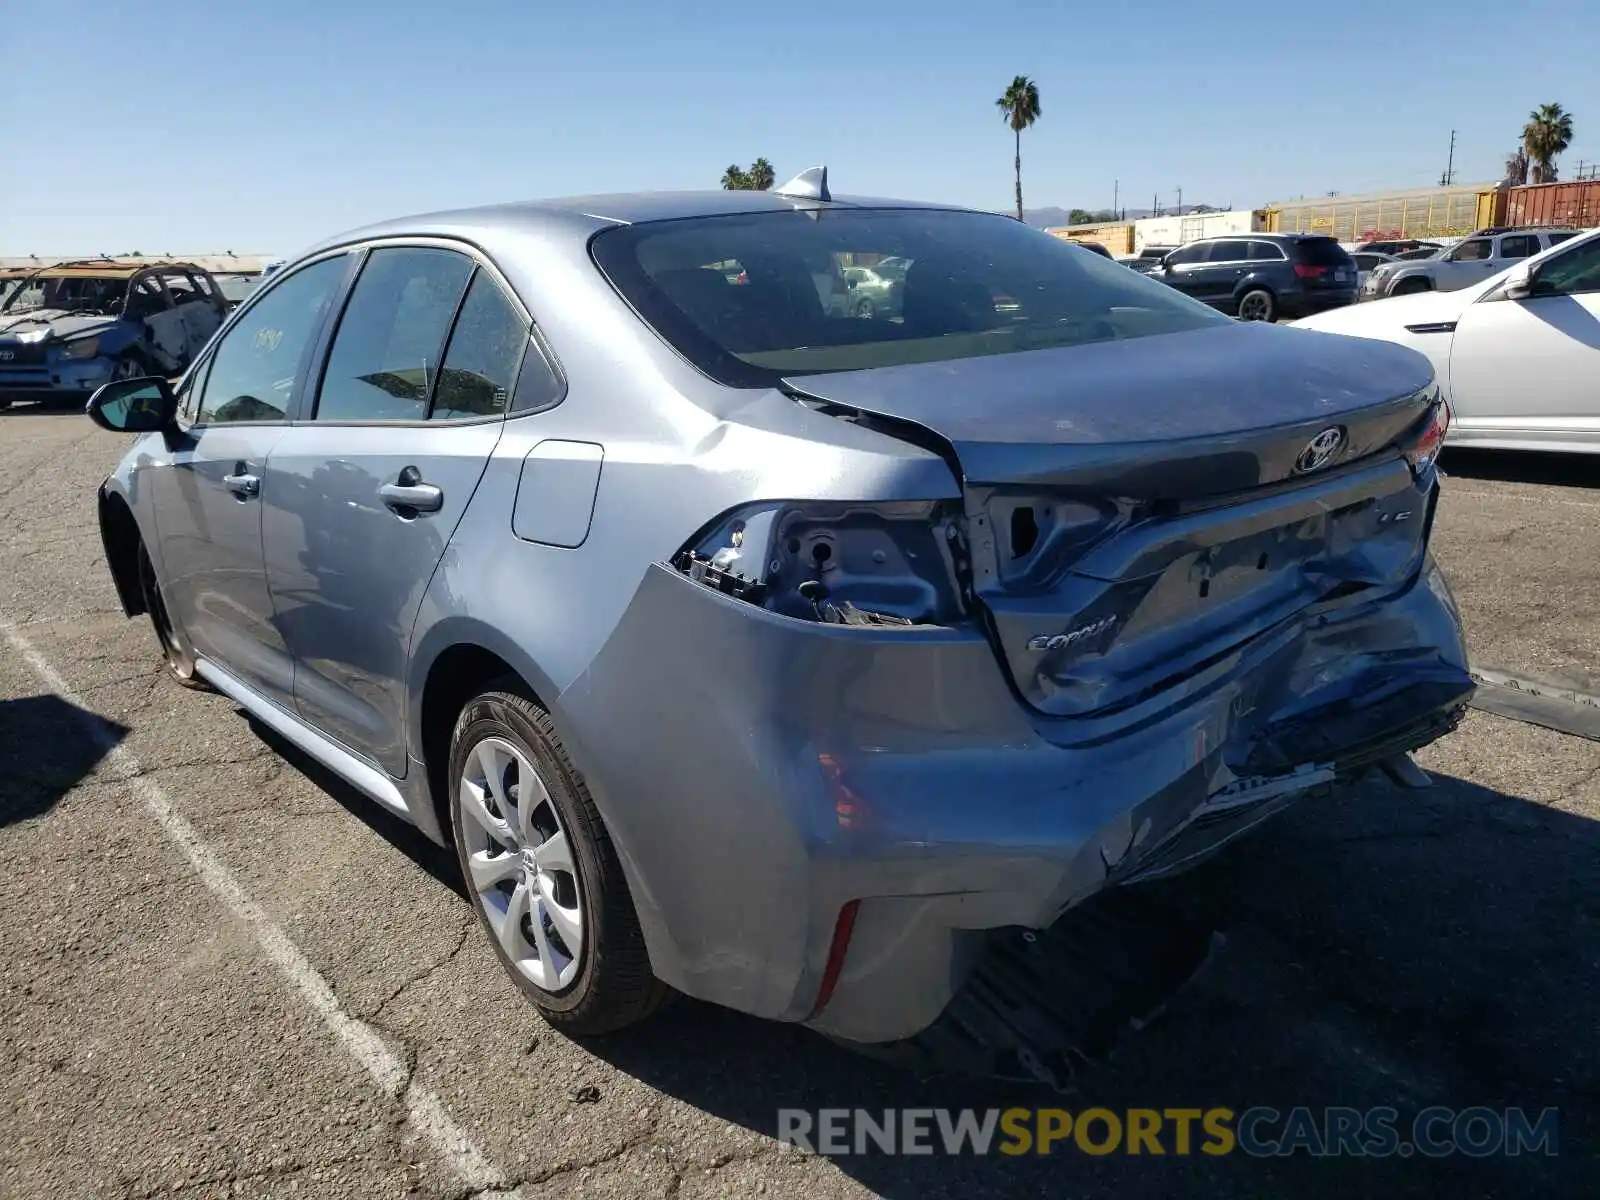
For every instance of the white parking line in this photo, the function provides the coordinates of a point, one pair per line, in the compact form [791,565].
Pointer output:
[466,1162]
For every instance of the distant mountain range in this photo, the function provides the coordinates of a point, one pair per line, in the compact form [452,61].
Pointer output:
[1043,218]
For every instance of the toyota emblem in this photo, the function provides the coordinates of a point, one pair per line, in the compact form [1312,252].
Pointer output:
[1320,450]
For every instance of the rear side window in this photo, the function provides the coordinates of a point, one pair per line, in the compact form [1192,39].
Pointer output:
[386,354]
[480,364]
[1265,252]
[1321,252]
[1227,251]
[252,372]
[1519,245]
[1557,238]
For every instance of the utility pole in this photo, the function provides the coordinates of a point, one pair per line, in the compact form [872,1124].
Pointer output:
[1449,176]
[1155,204]
[1180,202]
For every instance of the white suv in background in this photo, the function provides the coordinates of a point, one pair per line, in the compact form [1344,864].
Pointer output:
[1470,261]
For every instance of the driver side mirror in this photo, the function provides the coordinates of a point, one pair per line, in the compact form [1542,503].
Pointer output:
[1519,284]
[144,405]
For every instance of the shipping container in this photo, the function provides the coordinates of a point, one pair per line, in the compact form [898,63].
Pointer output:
[1191,227]
[1381,216]
[1116,238]
[1573,204]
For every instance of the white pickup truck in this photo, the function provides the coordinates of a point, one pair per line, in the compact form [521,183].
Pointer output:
[1471,260]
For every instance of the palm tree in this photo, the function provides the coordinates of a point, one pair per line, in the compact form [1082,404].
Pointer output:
[1517,167]
[734,179]
[1547,133]
[760,176]
[1020,109]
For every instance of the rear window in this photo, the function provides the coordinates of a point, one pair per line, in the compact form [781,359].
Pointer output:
[971,284]
[1321,252]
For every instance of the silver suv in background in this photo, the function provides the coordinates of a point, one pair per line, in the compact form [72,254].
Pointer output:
[788,658]
[1472,260]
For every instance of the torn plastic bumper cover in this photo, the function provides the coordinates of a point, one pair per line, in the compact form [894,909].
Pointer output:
[809,767]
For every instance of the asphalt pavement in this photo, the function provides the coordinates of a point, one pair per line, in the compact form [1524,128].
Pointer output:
[227,975]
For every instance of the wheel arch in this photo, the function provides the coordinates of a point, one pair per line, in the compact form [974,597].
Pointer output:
[455,674]
[121,539]
[454,661]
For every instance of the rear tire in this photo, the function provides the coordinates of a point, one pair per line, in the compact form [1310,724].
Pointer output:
[533,848]
[175,651]
[1257,304]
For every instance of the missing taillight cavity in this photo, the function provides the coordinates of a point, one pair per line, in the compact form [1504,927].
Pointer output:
[884,565]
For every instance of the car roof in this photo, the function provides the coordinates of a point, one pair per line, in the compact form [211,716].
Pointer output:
[582,215]
[1262,236]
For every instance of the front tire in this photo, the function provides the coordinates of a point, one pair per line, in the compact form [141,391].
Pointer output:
[542,873]
[1257,304]
[175,650]
[1410,287]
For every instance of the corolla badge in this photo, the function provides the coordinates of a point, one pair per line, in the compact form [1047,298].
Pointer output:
[1320,450]
[1060,641]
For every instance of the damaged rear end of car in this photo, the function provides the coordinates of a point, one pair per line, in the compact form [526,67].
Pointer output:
[1181,579]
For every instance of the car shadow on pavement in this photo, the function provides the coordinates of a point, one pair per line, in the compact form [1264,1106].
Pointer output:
[1386,948]
[1518,466]
[437,861]
[45,752]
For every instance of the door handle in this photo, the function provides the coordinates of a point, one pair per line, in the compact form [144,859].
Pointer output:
[243,485]
[408,495]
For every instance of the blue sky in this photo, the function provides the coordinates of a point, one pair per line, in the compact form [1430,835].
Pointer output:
[258,127]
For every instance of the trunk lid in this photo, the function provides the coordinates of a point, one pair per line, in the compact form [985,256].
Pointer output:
[1136,510]
[1174,416]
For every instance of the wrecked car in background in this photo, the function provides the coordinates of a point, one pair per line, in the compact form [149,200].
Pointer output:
[796,660]
[68,328]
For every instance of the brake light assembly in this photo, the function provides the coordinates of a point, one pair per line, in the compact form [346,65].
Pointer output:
[1423,451]
[1309,271]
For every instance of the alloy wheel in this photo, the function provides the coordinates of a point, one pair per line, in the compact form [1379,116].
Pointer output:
[520,864]
[1255,307]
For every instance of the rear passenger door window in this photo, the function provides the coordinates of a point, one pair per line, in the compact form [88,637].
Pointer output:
[1519,245]
[480,363]
[1265,252]
[387,352]
[1229,252]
